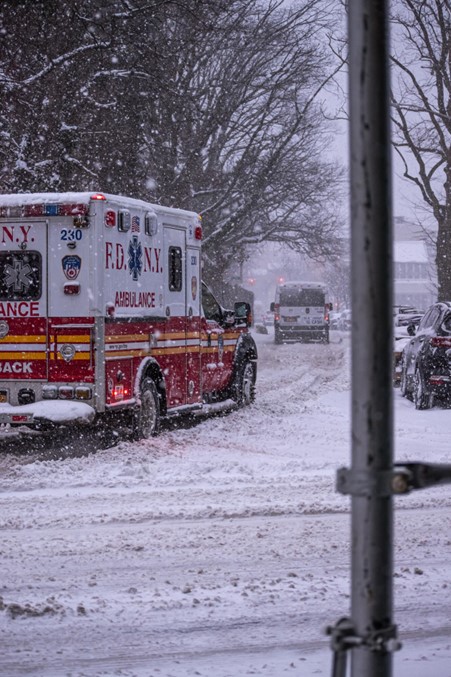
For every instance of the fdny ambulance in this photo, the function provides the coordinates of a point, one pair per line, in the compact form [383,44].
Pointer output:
[103,313]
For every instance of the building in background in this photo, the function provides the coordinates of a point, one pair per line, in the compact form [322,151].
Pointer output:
[415,278]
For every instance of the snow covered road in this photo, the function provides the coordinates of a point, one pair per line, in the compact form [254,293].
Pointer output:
[217,549]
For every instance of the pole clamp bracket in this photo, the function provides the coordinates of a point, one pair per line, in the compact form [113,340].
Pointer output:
[403,478]
[344,637]
[372,482]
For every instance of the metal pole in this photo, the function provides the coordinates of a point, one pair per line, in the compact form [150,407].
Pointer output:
[372,419]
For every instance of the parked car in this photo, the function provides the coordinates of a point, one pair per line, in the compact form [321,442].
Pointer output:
[401,339]
[268,319]
[426,358]
[405,315]
[345,321]
[334,319]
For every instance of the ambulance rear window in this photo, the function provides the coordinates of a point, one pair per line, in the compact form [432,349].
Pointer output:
[20,276]
[302,297]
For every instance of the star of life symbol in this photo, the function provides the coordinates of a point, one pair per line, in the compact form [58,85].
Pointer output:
[135,258]
[18,275]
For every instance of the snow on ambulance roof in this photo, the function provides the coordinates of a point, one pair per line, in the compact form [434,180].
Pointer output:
[19,199]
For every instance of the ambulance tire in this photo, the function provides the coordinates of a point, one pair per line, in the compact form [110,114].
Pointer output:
[146,421]
[245,384]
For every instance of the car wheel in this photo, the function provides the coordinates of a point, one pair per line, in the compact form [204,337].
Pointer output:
[147,417]
[277,337]
[245,385]
[422,398]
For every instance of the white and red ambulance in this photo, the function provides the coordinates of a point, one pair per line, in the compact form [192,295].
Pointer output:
[103,314]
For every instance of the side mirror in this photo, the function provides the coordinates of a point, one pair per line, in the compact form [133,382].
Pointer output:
[272,307]
[411,329]
[243,313]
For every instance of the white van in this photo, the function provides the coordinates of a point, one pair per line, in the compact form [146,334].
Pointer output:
[301,312]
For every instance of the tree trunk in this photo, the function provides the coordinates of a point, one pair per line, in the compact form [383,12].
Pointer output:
[443,256]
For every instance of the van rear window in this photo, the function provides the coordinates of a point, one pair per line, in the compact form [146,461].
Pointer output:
[20,276]
[302,297]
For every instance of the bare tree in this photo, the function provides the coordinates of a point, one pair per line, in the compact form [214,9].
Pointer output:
[422,113]
[248,143]
[210,105]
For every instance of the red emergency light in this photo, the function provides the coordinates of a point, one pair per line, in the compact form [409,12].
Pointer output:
[42,209]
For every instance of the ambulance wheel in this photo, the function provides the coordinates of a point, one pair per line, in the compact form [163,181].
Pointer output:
[147,417]
[245,385]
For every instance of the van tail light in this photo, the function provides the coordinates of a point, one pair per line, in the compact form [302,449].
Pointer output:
[441,341]
[277,311]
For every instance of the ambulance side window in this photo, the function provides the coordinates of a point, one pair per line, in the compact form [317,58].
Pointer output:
[211,308]
[175,269]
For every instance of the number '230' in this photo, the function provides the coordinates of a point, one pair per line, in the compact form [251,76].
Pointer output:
[69,235]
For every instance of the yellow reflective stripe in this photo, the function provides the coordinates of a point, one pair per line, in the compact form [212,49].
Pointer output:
[160,336]
[122,338]
[71,338]
[23,356]
[24,339]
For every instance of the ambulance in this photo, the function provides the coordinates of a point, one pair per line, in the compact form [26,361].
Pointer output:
[104,316]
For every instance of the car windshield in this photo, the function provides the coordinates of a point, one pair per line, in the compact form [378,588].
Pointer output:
[302,297]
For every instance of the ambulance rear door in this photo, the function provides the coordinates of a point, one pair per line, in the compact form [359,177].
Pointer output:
[23,301]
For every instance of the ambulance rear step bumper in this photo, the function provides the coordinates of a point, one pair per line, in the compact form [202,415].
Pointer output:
[47,414]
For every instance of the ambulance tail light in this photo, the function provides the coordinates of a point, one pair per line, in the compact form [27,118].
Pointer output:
[72,288]
[277,312]
[83,393]
[198,233]
[49,393]
[118,392]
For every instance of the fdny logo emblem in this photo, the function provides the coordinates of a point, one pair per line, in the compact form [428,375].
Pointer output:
[135,258]
[71,266]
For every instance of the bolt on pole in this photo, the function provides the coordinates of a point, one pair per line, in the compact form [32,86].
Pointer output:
[371,278]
